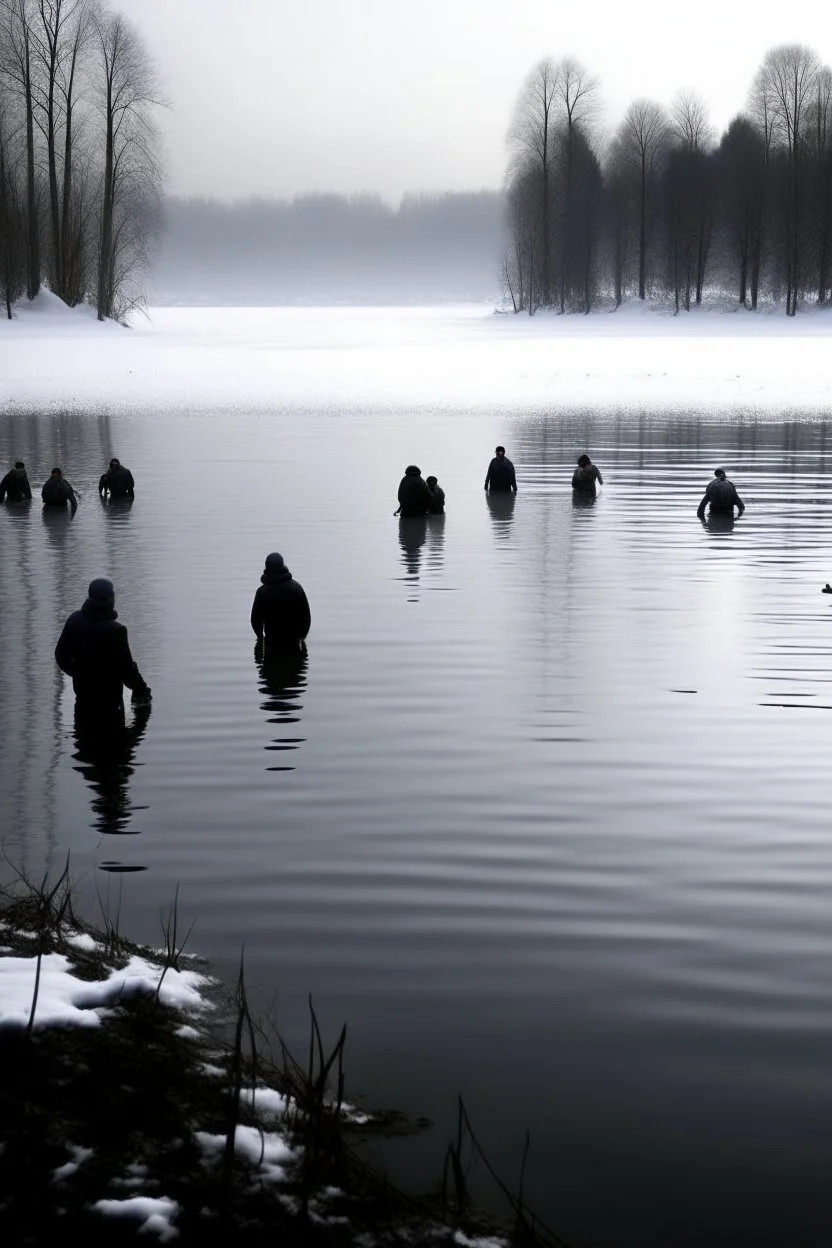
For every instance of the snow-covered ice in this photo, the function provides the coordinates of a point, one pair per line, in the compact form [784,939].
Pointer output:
[64,999]
[467,357]
[154,1212]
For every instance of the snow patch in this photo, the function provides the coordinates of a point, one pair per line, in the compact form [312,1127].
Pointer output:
[81,940]
[265,1101]
[79,1156]
[154,1212]
[252,1144]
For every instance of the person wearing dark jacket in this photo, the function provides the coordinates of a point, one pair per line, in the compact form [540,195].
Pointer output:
[93,649]
[414,495]
[117,481]
[57,492]
[500,477]
[722,496]
[585,476]
[280,611]
[437,497]
[15,485]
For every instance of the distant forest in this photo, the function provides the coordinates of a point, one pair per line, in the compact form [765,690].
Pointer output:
[331,249]
[665,208]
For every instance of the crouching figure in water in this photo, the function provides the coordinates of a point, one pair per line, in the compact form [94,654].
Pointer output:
[414,495]
[437,497]
[280,612]
[94,650]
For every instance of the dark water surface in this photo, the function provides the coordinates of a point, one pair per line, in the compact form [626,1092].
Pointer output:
[545,814]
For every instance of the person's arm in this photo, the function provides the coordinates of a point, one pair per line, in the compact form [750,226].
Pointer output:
[130,674]
[3,484]
[598,476]
[738,501]
[513,479]
[73,501]
[488,476]
[63,650]
[701,509]
[103,484]
[257,614]
[27,489]
[130,485]
[305,613]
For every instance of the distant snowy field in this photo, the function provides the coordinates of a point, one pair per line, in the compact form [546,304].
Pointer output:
[463,357]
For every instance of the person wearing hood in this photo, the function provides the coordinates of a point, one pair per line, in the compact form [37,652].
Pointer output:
[57,492]
[15,485]
[94,650]
[500,478]
[437,497]
[722,496]
[280,611]
[414,495]
[585,476]
[117,481]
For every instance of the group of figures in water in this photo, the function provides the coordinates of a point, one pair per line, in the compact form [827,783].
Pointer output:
[94,650]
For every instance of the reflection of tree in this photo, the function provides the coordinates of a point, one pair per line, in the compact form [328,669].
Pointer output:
[282,681]
[106,745]
[501,507]
[413,531]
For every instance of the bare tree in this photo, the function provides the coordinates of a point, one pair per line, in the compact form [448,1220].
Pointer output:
[576,91]
[642,140]
[132,174]
[16,18]
[785,87]
[531,138]
[12,223]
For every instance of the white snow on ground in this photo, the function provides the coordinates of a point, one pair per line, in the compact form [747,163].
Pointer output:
[79,1156]
[188,1033]
[266,1102]
[81,940]
[488,1242]
[250,1143]
[64,999]
[154,1212]
[222,359]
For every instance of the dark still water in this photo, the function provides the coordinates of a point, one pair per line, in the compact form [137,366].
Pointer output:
[544,815]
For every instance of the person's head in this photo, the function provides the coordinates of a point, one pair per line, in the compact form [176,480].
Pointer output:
[431,481]
[19,465]
[720,473]
[412,471]
[114,463]
[101,592]
[274,562]
[584,461]
[56,473]
[500,451]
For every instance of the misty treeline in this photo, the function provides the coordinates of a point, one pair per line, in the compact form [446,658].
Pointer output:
[80,176]
[325,248]
[665,207]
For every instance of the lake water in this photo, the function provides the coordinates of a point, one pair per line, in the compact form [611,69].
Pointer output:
[545,815]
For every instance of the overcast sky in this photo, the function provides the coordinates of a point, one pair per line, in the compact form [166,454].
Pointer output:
[276,98]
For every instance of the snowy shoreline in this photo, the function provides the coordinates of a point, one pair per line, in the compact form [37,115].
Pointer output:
[264,359]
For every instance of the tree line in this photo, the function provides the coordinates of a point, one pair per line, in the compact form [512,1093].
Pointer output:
[664,207]
[80,173]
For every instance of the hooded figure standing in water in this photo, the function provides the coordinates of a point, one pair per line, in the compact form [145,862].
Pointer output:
[15,485]
[280,611]
[500,478]
[722,496]
[57,492]
[93,649]
[414,496]
[585,476]
[117,481]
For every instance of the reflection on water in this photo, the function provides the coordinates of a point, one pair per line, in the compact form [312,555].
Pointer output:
[557,840]
[105,757]
[283,679]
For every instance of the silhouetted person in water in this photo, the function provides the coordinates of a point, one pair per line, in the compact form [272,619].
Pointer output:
[437,497]
[15,485]
[722,496]
[57,492]
[117,481]
[585,476]
[280,611]
[93,649]
[500,478]
[106,748]
[414,495]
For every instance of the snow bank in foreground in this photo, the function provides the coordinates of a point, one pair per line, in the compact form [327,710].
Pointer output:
[65,1000]
[227,359]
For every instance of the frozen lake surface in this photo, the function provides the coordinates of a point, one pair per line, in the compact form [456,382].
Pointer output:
[545,814]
